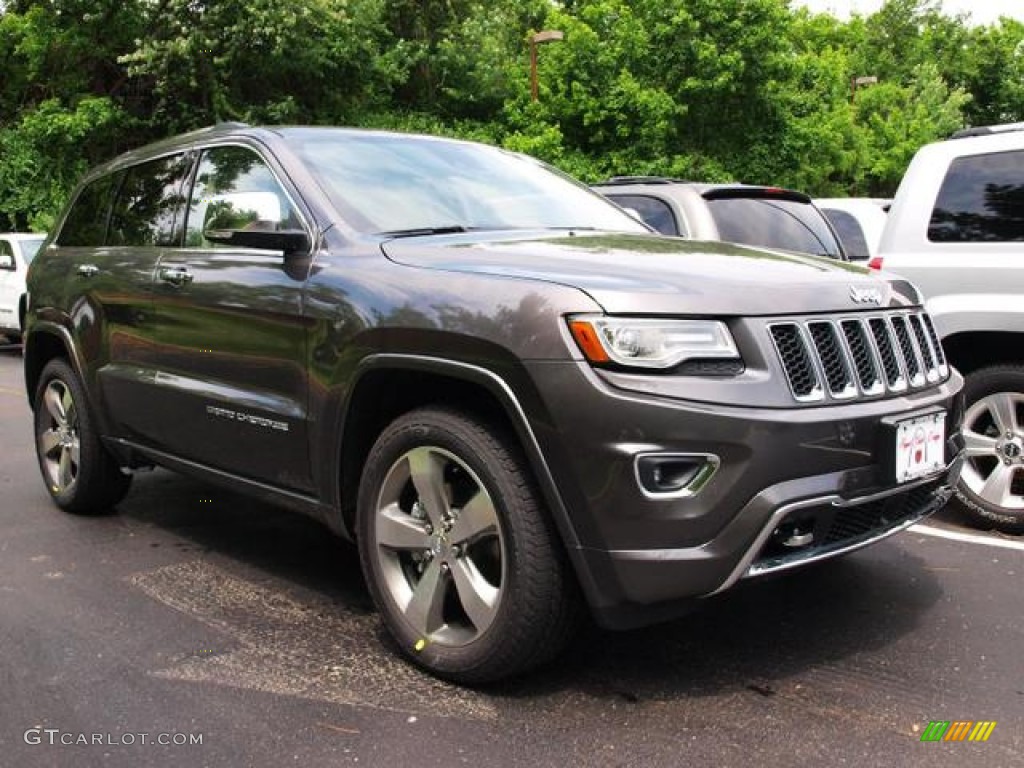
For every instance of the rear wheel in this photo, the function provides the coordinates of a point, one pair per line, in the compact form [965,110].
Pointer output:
[458,552]
[991,488]
[81,476]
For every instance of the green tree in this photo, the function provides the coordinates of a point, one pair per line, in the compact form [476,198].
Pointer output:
[262,60]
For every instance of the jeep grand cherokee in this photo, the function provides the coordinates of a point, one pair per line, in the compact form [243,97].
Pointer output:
[508,391]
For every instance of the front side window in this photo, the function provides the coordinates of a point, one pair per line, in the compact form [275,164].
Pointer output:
[235,190]
[981,200]
[147,210]
[769,223]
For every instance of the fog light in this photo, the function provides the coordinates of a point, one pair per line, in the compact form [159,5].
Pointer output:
[795,534]
[674,475]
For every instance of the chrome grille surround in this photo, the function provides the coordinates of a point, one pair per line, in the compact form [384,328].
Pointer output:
[858,356]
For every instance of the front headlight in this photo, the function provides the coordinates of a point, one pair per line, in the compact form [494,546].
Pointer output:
[651,343]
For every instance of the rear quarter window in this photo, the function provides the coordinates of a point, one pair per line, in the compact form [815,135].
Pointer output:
[782,224]
[981,200]
[851,235]
[654,213]
[86,222]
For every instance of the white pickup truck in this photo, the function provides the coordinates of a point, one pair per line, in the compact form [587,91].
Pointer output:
[956,229]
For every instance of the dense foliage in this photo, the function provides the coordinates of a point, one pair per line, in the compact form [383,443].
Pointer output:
[753,90]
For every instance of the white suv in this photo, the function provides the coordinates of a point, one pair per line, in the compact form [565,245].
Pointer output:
[956,229]
[16,251]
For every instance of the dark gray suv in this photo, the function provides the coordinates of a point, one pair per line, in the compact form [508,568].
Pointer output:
[516,398]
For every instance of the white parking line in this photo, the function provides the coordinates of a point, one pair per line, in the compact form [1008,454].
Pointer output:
[970,538]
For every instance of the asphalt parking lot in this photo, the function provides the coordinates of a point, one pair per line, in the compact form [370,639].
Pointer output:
[197,612]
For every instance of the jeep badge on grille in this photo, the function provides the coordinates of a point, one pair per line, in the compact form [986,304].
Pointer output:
[865,295]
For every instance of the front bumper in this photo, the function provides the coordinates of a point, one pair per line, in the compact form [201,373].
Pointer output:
[813,476]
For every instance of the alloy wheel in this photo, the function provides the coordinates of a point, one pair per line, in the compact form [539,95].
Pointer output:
[59,442]
[440,546]
[994,436]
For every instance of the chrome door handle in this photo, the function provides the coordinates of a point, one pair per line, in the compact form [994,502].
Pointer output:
[88,270]
[176,275]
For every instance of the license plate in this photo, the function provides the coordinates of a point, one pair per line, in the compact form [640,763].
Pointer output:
[920,446]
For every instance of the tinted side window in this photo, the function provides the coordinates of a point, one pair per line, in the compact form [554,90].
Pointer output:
[782,224]
[149,202]
[655,213]
[86,222]
[850,233]
[981,200]
[234,189]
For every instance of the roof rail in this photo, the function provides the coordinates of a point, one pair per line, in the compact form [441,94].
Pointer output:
[987,130]
[642,180]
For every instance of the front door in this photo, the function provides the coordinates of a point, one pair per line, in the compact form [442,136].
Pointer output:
[233,338]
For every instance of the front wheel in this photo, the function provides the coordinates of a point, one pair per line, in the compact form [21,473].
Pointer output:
[458,552]
[81,476]
[991,488]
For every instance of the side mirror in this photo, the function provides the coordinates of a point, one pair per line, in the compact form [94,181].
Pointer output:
[251,220]
[287,240]
[7,262]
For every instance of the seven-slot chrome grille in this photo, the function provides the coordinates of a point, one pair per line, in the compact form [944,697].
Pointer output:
[847,357]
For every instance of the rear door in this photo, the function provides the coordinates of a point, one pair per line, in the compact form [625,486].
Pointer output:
[233,385]
[111,241]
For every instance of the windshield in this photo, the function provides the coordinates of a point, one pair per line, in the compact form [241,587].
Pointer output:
[388,183]
[783,224]
[30,247]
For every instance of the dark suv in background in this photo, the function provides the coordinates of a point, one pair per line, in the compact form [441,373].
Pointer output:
[506,389]
[765,217]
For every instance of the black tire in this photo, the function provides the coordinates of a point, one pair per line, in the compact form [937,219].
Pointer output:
[985,391]
[536,607]
[95,483]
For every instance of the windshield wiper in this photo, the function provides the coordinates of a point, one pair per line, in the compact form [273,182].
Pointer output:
[449,229]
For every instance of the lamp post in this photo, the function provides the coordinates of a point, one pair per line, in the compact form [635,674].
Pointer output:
[547,36]
[862,80]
